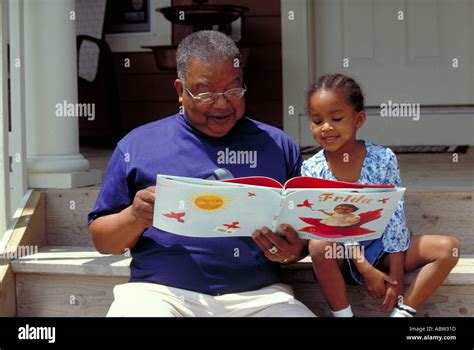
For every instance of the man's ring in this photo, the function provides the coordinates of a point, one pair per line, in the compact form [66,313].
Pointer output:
[273,250]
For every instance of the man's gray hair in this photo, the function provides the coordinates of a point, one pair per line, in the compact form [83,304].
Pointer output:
[205,46]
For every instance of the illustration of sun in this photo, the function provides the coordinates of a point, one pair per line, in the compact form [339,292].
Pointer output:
[210,202]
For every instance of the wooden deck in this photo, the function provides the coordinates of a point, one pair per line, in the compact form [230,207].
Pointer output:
[48,281]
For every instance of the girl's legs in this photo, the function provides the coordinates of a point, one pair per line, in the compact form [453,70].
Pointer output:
[436,255]
[326,267]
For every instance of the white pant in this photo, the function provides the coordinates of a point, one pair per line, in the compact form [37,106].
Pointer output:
[138,299]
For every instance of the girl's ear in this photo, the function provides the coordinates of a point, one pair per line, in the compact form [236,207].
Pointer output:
[178,85]
[360,119]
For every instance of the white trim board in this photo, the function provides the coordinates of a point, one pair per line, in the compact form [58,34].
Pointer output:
[5,216]
[16,216]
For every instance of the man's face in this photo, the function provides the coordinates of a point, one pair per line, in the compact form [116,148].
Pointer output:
[218,118]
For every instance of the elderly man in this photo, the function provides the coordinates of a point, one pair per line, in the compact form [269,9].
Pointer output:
[175,275]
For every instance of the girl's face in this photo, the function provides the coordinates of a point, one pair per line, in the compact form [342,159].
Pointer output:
[334,121]
[342,209]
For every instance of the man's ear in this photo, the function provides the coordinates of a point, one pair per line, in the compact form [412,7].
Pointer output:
[178,85]
[360,119]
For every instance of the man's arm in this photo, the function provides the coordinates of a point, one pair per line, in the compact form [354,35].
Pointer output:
[114,233]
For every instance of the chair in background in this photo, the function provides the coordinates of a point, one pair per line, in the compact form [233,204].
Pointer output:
[97,82]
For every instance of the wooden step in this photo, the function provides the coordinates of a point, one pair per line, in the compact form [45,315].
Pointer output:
[65,281]
[449,213]
[78,281]
[66,215]
[66,260]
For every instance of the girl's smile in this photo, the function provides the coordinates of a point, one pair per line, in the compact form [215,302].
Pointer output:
[329,139]
[334,121]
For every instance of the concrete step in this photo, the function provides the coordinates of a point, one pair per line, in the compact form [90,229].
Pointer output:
[78,281]
[427,212]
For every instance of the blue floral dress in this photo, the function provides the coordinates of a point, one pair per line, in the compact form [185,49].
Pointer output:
[380,166]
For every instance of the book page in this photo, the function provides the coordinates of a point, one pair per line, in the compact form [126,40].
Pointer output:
[256,181]
[339,215]
[204,208]
[314,182]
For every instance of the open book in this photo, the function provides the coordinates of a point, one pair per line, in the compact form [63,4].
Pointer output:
[315,208]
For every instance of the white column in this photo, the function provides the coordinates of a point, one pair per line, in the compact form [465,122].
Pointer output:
[53,156]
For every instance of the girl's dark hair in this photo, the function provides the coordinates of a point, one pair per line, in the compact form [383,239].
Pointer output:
[352,206]
[343,83]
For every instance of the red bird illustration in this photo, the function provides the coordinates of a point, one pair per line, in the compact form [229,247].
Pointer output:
[232,225]
[176,216]
[251,194]
[306,204]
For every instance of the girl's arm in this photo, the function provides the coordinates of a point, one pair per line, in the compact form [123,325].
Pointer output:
[325,212]
[374,279]
[396,238]
[397,266]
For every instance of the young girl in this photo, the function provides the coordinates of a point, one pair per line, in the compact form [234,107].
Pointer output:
[336,107]
[342,216]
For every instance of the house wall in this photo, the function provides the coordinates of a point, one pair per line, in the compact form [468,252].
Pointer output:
[146,93]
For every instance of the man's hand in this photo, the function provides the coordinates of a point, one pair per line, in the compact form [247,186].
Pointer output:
[143,205]
[115,233]
[285,250]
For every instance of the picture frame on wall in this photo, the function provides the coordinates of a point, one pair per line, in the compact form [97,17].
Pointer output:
[128,16]
[134,37]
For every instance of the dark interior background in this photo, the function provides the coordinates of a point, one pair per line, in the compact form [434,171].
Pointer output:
[145,93]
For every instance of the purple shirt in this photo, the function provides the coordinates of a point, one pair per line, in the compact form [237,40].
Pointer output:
[171,146]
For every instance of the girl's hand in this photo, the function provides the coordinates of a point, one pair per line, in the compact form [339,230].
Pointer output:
[375,282]
[351,220]
[391,295]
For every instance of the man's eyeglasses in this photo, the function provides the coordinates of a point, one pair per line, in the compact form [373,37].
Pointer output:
[211,97]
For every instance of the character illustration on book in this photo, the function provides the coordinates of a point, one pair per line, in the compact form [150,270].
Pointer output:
[341,223]
[342,217]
